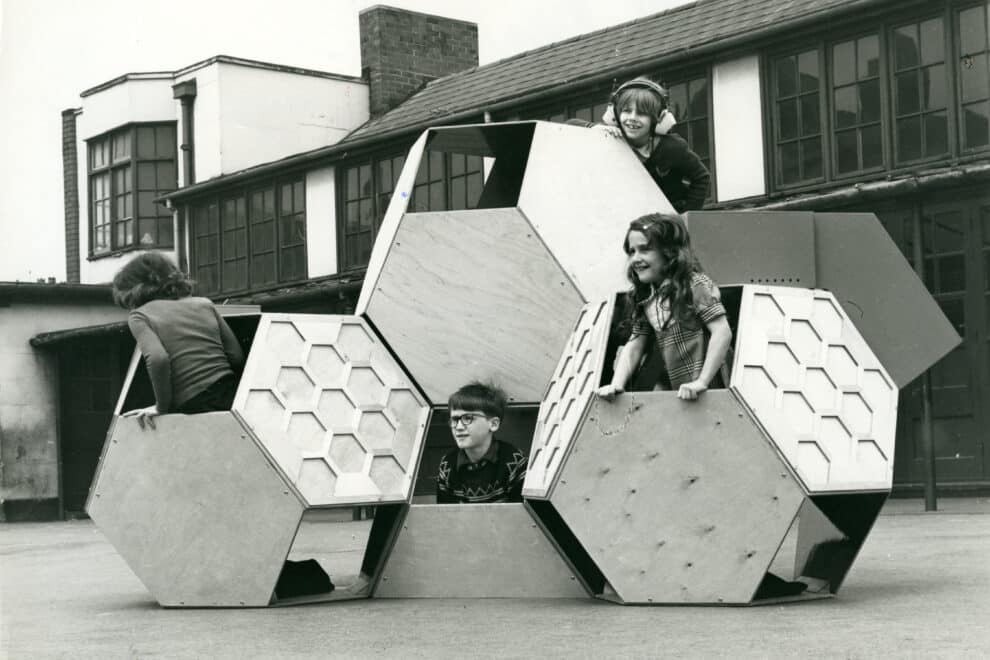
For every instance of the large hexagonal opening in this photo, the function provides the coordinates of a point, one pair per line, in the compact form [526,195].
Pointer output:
[137,391]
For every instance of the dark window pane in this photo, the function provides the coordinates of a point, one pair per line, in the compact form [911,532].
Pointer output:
[789,172]
[147,231]
[474,186]
[872,146]
[456,164]
[906,93]
[972,31]
[352,183]
[145,142]
[437,202]
[973,78]
[811,158]
[951,274]
[458,194]
[583,114]
[932,41]
[976,125]
[847,152]
[164,142]
[844,63]
[147,177]
[786,76]
[936,134]
[869,101]
[121,146]
[908,138]
[810,120]
[788,114]
[677,100]
[385,176]
[906,51]
[285,201]
[933,87]
[868,57]
[298,203]
[949,232]
[699,139]
[352,217]
[808,71]
[699,98]
[845,107]
[146,204]
[367,215]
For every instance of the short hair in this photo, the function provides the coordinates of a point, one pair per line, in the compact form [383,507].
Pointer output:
[149,276]
[486,397]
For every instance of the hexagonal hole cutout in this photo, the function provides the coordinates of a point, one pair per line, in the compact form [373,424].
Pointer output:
[326,365]
[346,454]
[366,387]
[813,462]
[856,414]
[798,412]
[841,365]
[285,341]
[295,387]
[387,474]
[354,342]
[307,434]
[826,318]
[805,342]
[819,390]
[336,409]
[781,364]
[376,431]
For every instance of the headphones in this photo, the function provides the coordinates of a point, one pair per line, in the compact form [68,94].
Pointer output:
[664,121]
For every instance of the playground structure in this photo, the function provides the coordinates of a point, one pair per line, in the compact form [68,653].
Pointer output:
[647,499]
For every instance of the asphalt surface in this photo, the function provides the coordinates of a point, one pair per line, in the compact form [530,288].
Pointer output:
[919,589]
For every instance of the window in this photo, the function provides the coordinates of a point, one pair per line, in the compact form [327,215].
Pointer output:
[921,128]
[797,117]
[250,239]
[856,131]
[974,77]
[689,104]
[128,169]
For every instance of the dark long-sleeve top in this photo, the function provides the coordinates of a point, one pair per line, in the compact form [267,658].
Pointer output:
[677,171]
[186,345]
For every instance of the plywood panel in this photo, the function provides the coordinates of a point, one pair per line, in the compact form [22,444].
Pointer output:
[390,221]
[858,262]
[581,190]
[332,407]
[470,295]
[827,403]
[568,395]
[475,551]
[741,247]
[195,509]
[676,502]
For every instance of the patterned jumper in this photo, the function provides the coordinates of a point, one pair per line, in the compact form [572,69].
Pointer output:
[497,477]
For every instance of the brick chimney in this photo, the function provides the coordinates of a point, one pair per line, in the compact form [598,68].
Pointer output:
[401,50]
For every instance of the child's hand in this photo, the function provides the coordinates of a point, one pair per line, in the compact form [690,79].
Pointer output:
[613,131]
[608,392]
[143,414]
[691,391]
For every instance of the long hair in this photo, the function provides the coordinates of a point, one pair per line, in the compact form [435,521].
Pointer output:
[669,236]
[149,276]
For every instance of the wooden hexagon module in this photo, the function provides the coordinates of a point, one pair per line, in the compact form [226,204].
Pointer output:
[816,388]
[334,410]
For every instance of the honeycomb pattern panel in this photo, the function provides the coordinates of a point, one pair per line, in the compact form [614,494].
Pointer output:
[814,385]
[333,409]
[568,394]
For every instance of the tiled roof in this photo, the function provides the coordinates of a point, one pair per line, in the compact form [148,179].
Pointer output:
[611,51]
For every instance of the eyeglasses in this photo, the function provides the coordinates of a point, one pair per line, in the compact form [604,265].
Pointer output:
[467,419]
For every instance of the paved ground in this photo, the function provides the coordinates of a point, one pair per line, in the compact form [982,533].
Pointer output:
[920,588]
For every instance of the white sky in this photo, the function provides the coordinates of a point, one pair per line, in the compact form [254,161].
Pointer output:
[51,50]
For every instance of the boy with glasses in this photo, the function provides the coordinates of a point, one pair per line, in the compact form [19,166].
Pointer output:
[482,468]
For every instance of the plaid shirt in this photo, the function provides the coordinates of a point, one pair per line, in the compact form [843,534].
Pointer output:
[682,344]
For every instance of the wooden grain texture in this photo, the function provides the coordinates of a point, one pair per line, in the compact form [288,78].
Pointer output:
[677,502]
[474,551]
[333,409]
[581,190]
[816,388]
[390,221]
[572,387]
[196,510]
[743,247]
[856,259]
[468,295]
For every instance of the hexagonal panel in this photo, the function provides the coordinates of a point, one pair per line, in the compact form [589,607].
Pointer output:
[320,411]
[651,489]
[568,395]
[850,394]
[202,479]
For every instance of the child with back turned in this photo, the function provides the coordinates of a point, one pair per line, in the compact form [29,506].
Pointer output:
[190,351]
[482,469]
[674,304]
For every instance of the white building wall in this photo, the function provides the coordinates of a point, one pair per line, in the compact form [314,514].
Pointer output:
[131,101]
[270,114]
[321,222]
[206,121]
[738,120]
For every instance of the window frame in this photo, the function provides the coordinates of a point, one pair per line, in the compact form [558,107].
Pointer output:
[130,184]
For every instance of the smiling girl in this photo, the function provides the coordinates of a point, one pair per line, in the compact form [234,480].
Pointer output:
[674,303]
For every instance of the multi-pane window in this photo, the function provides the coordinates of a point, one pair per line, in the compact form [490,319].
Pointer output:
[973,55]
[250,239]
[365,190]
[797,114]
[447,182]
[920,85]
[128,169]
[689,104]
[856,130]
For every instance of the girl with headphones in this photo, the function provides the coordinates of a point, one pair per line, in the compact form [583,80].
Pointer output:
[637,111]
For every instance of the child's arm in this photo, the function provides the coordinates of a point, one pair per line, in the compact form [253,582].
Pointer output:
[718,348]
[444,496]
[629,359]
[231,347]
[691,169]
[517,476]
[156,358]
